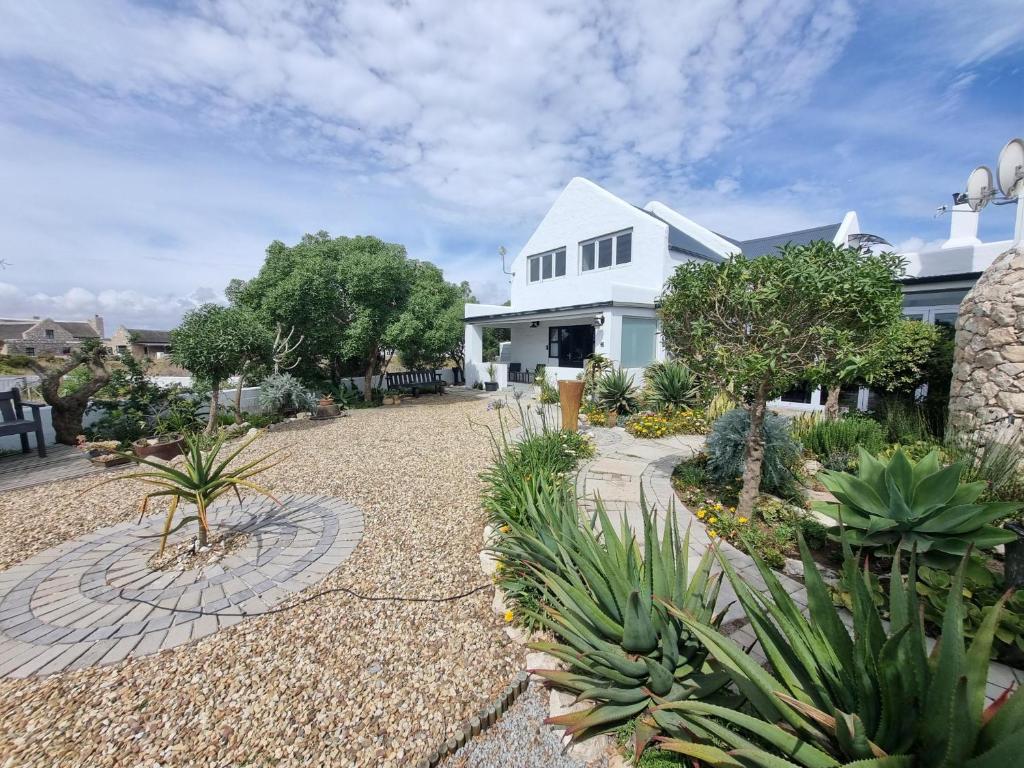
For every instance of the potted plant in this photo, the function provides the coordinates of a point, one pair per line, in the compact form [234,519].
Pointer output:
[492,383]
[165,446]
[326,408]
[617,394]
[102,452]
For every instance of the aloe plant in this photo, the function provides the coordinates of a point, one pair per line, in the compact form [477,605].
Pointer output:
[902,505]
[625,651]
[617,392]
[201,480]
[873,699]
[670,386]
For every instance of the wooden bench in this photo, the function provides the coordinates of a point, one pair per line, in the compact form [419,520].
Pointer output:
[15,423]
[415,382]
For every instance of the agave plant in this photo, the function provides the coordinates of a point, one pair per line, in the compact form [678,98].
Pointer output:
[202,479]
[902,505]
[873,699]
[625,652]
[617,392]
[670,386]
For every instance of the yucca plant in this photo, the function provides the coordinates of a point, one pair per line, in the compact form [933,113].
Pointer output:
[201,480]
[670,386]
[898,504]
[625,652]
[617,392]
[872,699]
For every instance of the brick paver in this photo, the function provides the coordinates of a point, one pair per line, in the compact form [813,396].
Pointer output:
[95,601]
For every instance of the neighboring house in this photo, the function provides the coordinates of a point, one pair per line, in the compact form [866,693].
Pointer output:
[141,342]
[45,336]
[589,277]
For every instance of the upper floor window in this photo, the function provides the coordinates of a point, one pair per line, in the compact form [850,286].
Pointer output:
[49,333]
[606,251]
[30,351]
[545,266]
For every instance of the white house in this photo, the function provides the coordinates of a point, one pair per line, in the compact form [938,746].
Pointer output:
[588,278]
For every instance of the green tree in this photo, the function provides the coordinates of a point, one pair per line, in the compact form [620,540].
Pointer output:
[215,342]
[759,325]
[87,368]
[429,331]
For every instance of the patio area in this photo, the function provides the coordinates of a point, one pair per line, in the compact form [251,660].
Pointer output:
[337,680]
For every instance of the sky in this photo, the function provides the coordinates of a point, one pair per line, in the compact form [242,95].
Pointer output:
[149,152]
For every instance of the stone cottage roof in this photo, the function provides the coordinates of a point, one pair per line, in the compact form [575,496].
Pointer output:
[78,330]
[146,336]
[12,329]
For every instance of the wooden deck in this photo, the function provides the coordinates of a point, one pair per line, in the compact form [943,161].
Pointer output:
[24,470]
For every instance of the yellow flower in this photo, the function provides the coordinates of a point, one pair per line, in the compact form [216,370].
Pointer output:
[712,533]
[743,521]
[701,513]
[508,616]
[712,519]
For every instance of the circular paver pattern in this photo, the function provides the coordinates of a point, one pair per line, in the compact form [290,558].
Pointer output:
[94,600]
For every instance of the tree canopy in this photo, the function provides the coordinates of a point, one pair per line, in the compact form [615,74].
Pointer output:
[430,331]
[760,325]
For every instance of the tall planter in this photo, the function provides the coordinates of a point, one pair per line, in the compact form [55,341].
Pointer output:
[570,396]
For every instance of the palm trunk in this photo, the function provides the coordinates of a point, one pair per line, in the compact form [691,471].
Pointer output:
[211,425]
[753,456]
[832,404]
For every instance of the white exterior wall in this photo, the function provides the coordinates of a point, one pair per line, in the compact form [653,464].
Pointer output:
[583,211]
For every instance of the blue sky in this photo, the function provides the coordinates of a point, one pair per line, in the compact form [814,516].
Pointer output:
[150,152]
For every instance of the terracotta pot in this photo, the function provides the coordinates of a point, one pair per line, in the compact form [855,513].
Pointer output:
[570,396]
[611,419]
[165,451]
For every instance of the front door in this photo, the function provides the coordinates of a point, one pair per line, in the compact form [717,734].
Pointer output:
[570,344]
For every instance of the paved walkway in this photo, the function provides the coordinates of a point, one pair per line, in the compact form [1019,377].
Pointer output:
[95,601]
[625,465]
[24,470]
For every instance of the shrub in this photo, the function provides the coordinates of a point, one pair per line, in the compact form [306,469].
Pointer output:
[899,504]
[871,697]
[598,417]
[282,392]
[605,598]
[728,441]
[654,425]
[670,386]
[548,392]
[834,442]
[904,422]
[772,532]
[997,464]
[125,425]
[617,392]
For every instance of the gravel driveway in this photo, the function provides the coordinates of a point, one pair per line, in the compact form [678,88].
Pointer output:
[339,681]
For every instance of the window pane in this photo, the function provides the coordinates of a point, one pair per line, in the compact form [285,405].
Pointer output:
[637,341]
[553,333]
[534,270]
[624,248]
[559,263]
[588,257]
[604,253]
[946,318]
[546,272]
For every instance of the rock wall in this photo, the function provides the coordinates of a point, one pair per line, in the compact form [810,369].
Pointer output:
[987,392]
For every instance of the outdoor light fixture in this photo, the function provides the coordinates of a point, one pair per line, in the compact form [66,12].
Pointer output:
[599,320]
[535,324]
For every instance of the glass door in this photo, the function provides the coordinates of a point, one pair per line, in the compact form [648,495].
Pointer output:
[570,344]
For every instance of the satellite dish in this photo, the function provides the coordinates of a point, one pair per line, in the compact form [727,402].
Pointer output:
[1010,171]
[979,188]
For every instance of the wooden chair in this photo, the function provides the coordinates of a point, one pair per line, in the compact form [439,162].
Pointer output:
[15,423]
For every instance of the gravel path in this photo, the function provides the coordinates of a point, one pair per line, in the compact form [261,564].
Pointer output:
[339,681]
[519,740]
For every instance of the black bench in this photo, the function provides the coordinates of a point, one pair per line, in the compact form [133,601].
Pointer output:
[15,423]
[415,382]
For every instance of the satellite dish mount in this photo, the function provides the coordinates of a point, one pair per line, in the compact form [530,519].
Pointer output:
[1010,175]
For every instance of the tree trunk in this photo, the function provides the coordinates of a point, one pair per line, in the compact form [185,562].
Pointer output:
[753,456]
[238,397]
[368,381]
[211,425]
[832,404]
[67,422]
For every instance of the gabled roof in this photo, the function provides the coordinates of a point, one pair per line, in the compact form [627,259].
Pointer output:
[78,330]
[766,246]
[682,242]
[13,330]
[144,336]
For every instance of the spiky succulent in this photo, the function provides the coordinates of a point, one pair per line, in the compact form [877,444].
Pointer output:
[872,697]
[902,505]
[625,651]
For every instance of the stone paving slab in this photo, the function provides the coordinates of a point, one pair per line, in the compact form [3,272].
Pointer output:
[95,601]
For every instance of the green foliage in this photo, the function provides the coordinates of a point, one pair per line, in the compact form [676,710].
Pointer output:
[214,342]
[429,330]
[901,363]
[673,422]
[871,698]
[899,504]
[727,442]
[182,415]
[14,364]
[997,464]
[670,386]
[617,392]
[594,367]
[204,477]
[834,442]
[548,393]
[282,392]
[603,597]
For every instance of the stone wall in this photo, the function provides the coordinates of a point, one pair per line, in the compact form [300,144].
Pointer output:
[987,392]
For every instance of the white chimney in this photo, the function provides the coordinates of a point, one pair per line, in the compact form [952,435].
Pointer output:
[963,227]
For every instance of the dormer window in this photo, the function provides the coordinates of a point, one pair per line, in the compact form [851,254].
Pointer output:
[547,266]
[49,333]
[606,251]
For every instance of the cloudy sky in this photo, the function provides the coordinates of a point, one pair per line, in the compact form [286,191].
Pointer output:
[149,152]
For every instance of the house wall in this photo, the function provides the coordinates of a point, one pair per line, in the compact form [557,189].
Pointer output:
[581,212]
[36,340]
